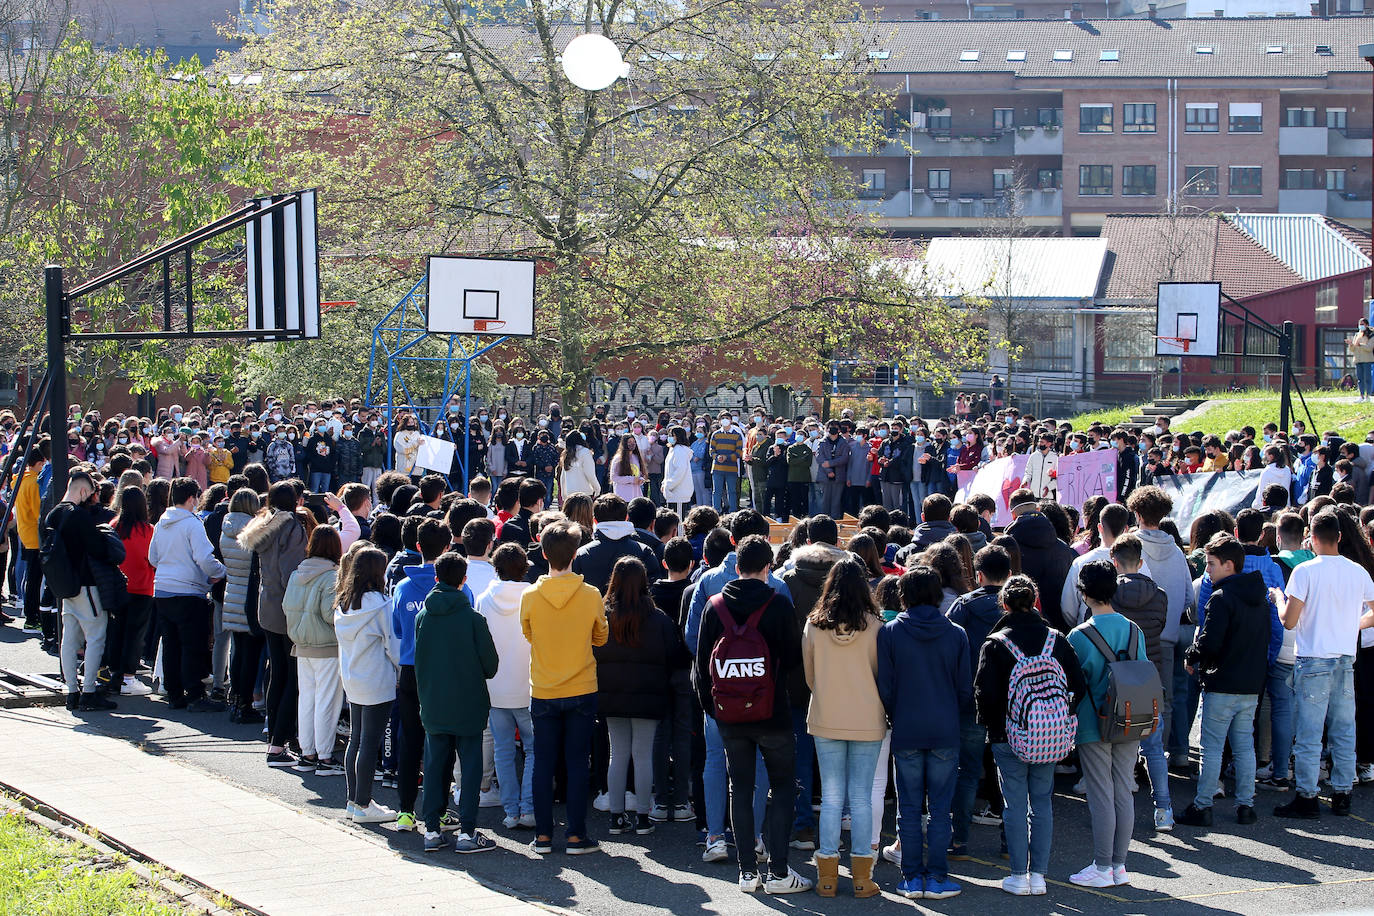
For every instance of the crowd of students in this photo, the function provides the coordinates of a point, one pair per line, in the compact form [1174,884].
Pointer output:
[591,617]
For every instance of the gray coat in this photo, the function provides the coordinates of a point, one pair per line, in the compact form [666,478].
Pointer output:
[240,584]
[279,542]
[859,465]
[837,453]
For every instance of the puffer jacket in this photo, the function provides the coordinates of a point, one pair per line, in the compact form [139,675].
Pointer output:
[1145,604]
[241,581]
[110,581]
[810,565]
[633,681]
[279,542]
[309,608]
[349,456]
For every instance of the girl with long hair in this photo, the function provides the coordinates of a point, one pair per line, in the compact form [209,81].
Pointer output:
[129,627]
[627,469]
[308,605]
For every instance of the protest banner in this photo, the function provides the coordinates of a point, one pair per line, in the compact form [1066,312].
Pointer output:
[999,479]
[1194,494]
[1085,475]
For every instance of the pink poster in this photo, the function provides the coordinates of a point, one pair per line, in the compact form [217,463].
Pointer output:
[1089,474]
[999,479]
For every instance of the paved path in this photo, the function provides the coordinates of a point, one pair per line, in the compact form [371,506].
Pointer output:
[266,854]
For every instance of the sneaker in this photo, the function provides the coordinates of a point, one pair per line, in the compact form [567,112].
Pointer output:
[526,822]
[790,883]
[1092,876]
[846,824]
[1164,819]
[328,768]
[491,798]
[804,839]
[389,780]
[281,760]
[1300,808]
[1340,804]
[987,818]
[1017,885]
[660,814]
[1324,775]
[351,809]
[620,824]
[306,764]
[683,814]
[941,888]
[205,704]
[1275,783]
[760,851]
[435,841]
[374,813]
[1364,773]
[1037,883]
[510,823]
[473,842]
[1119,876]
[912,888]
[96,702]
[134,688]
[893,854]
[1193,816]
[643,826]
[1264,770]
[1065,769]
[715,851]
[32,626]
[1245,814]
[750,882]
[958,852]
[448,822]
[218,695]
[631,803]
[73,702]
[541,847]
[602,802]
[581,847]
[1080,787]
[405,822]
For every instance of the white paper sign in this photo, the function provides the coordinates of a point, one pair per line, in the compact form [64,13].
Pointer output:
[435,454]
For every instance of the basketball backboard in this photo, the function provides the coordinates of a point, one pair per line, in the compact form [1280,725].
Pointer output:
[283,268]
[481,296]
[1191,313]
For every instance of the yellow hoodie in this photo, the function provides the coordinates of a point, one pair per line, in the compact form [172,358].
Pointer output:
[562,618]
[28,510]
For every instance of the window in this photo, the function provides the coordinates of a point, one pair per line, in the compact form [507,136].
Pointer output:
[1203,49]
[968,56]
[1002,179]
[1095,118]
[1245,118]
[1128,344]
[1274,49]
[938,119]
[1334,360]
[1050,117]
[1200,181]
[1049,178]
[1094,180]
[1335,179]
[1109,54]
[1335,118]
[1003,118]
[937,179]
[1327,295]
[1016,56]
[1245,181]
[1137,180]
[874,183]
[879,55]
[994,11]
[1300,117]
[1063,55]
[1300,179]
[1047,342]
[1200,118]
[1264,350]
[1138,118]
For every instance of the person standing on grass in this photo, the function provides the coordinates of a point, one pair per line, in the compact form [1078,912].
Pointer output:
[454,656]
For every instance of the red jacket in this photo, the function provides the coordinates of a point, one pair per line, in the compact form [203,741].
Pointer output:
[135,566]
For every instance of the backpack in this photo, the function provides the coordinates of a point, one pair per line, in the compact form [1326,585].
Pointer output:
[742,683]
[1040,726]
[1134,694]
[62,577]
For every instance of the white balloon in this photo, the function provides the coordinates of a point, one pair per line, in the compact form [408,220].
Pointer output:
[592,62]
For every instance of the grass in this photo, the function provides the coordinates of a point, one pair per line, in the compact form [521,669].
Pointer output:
[45,875]
[1256,407]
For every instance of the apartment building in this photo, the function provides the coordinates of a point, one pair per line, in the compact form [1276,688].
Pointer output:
[1064,121]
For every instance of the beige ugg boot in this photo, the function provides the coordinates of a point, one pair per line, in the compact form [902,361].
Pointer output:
[827,875]
[862,869]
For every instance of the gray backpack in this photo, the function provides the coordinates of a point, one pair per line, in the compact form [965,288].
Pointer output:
[1134,694]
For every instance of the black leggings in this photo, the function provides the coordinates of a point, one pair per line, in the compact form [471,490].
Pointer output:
[243,667]
[412,739]
[368,723]
[281,690]
[124,642]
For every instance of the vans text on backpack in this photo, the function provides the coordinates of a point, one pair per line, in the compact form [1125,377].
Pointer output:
[742,683]
[1040,726]
[1134,694]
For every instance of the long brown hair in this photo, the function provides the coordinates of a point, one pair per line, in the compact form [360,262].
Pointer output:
[365,573]
[622,454]
[628,602]
[846,600]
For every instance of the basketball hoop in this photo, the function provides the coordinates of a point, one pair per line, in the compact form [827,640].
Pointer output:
[341,303]
[1180,342]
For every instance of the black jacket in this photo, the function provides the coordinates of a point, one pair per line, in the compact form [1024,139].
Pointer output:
[633,682]
[977,612]
[515,455]
[1231,651]
[928,533]
[1127,472]
[898,452]
[82,538]
[595,561]
[810,565]
[1028,632]
[779,629]
[516,529]
[1144,604]
[1046,559]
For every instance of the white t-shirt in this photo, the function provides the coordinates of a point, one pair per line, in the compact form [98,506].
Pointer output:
[1333,591]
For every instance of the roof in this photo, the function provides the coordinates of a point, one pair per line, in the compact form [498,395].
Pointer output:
[1021,268]
[1147,47]
[1305,242]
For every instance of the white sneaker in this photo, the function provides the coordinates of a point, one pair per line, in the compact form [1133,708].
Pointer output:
[716,851]
[1092,876]
[491,798]
[893,854]
[1119,875]
[134,688]
[510,823]
[1017,885]
[602,802]
[350,809]
[1265,771]
[684,813]
[1037,883]
[1365,774]
[660,814]
[846,823]
[750,882]
[792,883]
[373,814]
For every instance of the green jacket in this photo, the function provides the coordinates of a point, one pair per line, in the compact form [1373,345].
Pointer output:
[799,463]
[309,608]
[454,658]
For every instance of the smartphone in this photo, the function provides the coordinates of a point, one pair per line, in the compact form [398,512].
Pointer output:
[316,500]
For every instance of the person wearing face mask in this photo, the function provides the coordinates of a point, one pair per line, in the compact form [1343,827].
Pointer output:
[726,449]
[895,459]
[477,450]
[756,435]
[197,461]
[555,422]
[372,453]
[701,464]
[832,453]
[544,460]
[408,446]
[220,464]
[518,454]
[800,455]
[496,456]
[627,469]
[168,451]
[1042,469]
[772,454]
[281,456]
[655,454]
[971,452]
[319,457]
[347,457]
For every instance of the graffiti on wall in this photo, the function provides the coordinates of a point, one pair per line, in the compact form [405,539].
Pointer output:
[645,393]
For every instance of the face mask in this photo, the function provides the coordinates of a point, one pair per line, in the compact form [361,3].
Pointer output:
[374,423]
[630,413]
[320,427]
[219,443]
[758,421]
[788,430]
[814,434]
[281,435]
[970,438]
[1178,447]
[147,430]
[543,423]
[277,416]
[920,440]
[1075,445]
[310,415]
[501,415]
[881,434]
[1158,430]
[453,408]
[700,434]
[1044,446]
[520,437]
[100,447]
[781,440]
[622,432]
[177,416]
[734,419]
[482,417]
[291,436]
[123,440]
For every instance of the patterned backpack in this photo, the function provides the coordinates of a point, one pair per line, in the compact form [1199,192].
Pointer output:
[1040,726]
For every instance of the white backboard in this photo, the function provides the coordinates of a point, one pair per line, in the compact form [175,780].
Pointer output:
[284,269]
[481,296]
[1191,311]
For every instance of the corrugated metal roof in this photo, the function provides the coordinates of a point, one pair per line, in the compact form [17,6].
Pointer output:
[1305,242]
[1022,268]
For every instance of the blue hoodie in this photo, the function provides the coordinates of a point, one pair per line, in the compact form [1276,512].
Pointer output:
[712,583]
[924,678]
[407,600]
[1256,560]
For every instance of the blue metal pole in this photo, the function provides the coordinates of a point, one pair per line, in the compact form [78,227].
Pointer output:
[467,414]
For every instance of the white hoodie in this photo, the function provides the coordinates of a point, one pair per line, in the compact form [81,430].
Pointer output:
[369,656]
[500,605]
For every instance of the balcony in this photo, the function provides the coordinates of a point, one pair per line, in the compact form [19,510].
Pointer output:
[1039,141]
[892,145]
[1303,141]
[1348,204]
[1350,141]
[1303,200]
[953,142]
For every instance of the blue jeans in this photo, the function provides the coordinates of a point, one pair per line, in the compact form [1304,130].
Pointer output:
[1364,376]
[919,492]
[565,725]
[972,739]
[1279,685]
[925,776]
[847,769]
[319,482]
[547,481]
[723,490]
[517,796]
[1325,689]
[1152,749]
[1027,789]
[1227,716]
[715,780]
[700,494]
[1181,723]
[806,771]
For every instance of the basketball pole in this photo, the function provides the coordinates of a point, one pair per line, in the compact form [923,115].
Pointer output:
[1286,396]
[56,303]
